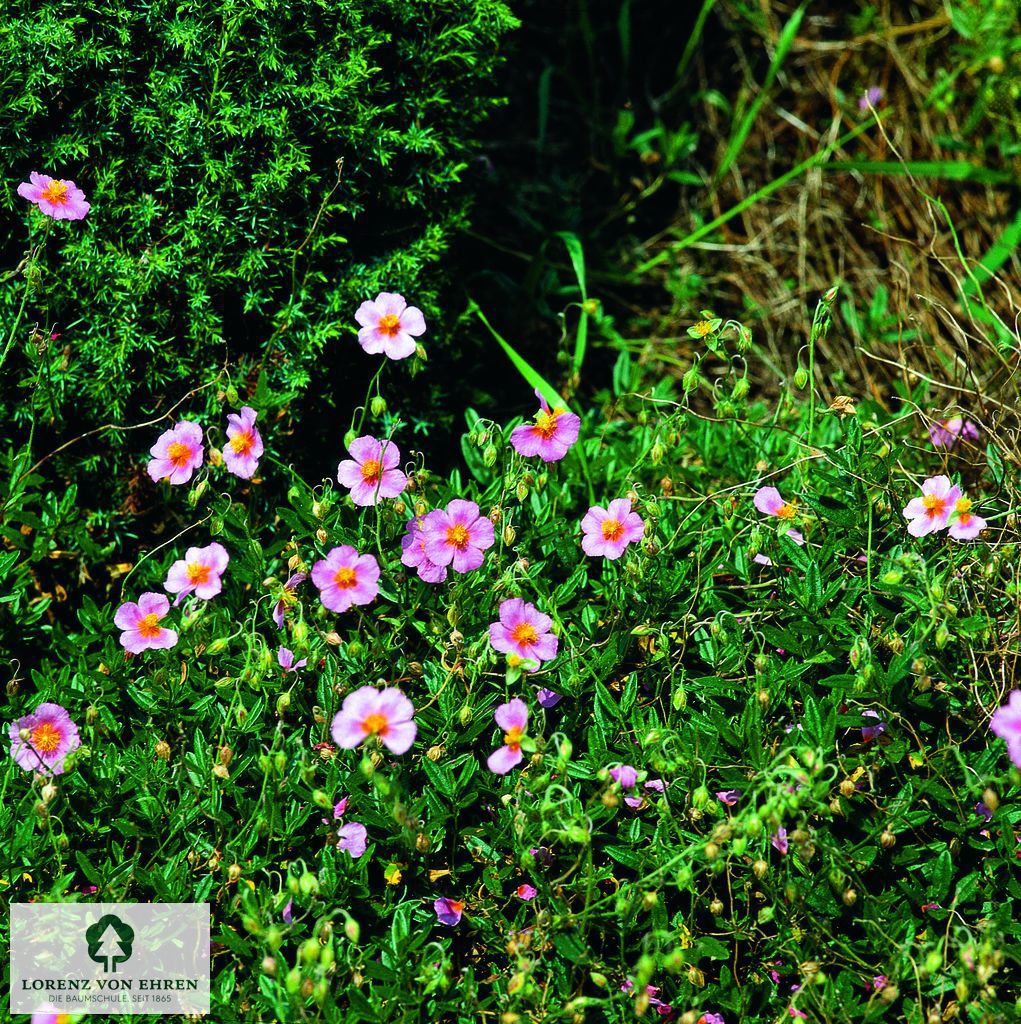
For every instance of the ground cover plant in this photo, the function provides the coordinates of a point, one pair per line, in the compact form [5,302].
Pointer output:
[688,693]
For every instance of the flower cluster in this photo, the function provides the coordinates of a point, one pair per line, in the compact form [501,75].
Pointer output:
[940,506]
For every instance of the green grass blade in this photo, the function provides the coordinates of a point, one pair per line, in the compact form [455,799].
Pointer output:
[949,170]
[577,254]
[693,39]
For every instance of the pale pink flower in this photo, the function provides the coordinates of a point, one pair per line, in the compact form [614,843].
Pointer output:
[448,911]
[385,713]
[1006,723]
[512,717]
[779,841]
[352,837]
[964,524]
[457,536]
[552,434]
[523,631]
[728,796]
[413,552]
[371,473]
[244,445]
[340,807]
[949,433]
[141,624]
[345,578]
[931,512]
[548,698]
[769,502]
[288,597]
[609,531]
[389,325]
[59,199]
[198,572]
[879,982]
[42,740]
[870,98]
[526,892]
[177,453]
[625,776]
[48,1015]
[285,659]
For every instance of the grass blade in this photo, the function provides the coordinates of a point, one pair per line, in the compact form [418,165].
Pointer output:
[577,254]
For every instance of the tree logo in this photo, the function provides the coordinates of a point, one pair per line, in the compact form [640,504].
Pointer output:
[109,941]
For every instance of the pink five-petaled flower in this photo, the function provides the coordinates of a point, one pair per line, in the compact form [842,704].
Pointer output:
[550,436]
[779,841]
[523,631]
[352,837]
[870,732]
[931,512]
[59,199]
[879,982]
[457,536]
[244,445]
[389,325]
[526,892]
[340,807]
[1006,723]
[287,597]
[948,433]
[728,796]
[608,531]
[345,578]
[40,741]
[177,453]
[548,698]
[964,525]
[285,659]
[371,473]
[198,572]
[512,717]
[385,713]
[413,552]
[769,502]
[448,911]
[625,776]
[141,624]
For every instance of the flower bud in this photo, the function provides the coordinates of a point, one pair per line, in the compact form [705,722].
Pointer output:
[233,872]
[741,387]
[490,454]
[195,494]
[377,406]
[349,437]
[521,490]
[218,646]
[800,378]
[49,793]
[163,750]
[509,535]
[352,929]
[283,703]
[887,840]
[759,869]
[850,897]
[716,907]
[333,638]
[269,966]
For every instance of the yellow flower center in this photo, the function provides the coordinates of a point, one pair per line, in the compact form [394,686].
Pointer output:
[613,529]
[242,443]
[345,577]
[934,505]
[703,327]
[149,626]
[390,325]
[546,424]
[788,510]
[375,725]
[178,453]
[55,193]
[45,738]
[371,471]
[457,537]
[198,573]
[512,737]
[524,633]
[963,506]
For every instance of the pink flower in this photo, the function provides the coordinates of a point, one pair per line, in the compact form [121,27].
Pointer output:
[287,597]
[512,717]
[385,713]
[285,659]
[177,453]
[608,531]
[625,776]
[552,434]
[59,199]
[48,1015]
[879,982]
[948,433]
[870,732]
[796,1013]
[141,624]
[964,525]
[870,98]
[288,912]
[389,325]
[526,892]
[548,698]
[779,841]
[1006,723]
[728,796]
[352,837]
[244,445]
[931,512]
[930,906]
[448,911]
[523,631]
[711,1018]
[371,472]
[40,741]
[345,578]
[457,536]
[768,501]
[198,572]
[340,807]
[413,552]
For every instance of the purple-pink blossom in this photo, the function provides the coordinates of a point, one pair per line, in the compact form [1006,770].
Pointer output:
[340,807]
[457,536]
[140,624]
[1006,723]
[55,197]
[870,732]
[386,714]
[41,741]
[728,796]
[964,524]
[552,434]
[625,776]
[448,911]
[288,597]
[413,552]
[548,698]
[607,532]
[523,632]
[285,659]
[346,578]
[512,718]
[931,512]
[177,453]
[779,841]
[389,325]
[371,473]
[951,432]
[244,446]
[352,837]
[526,892]
[198,573]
